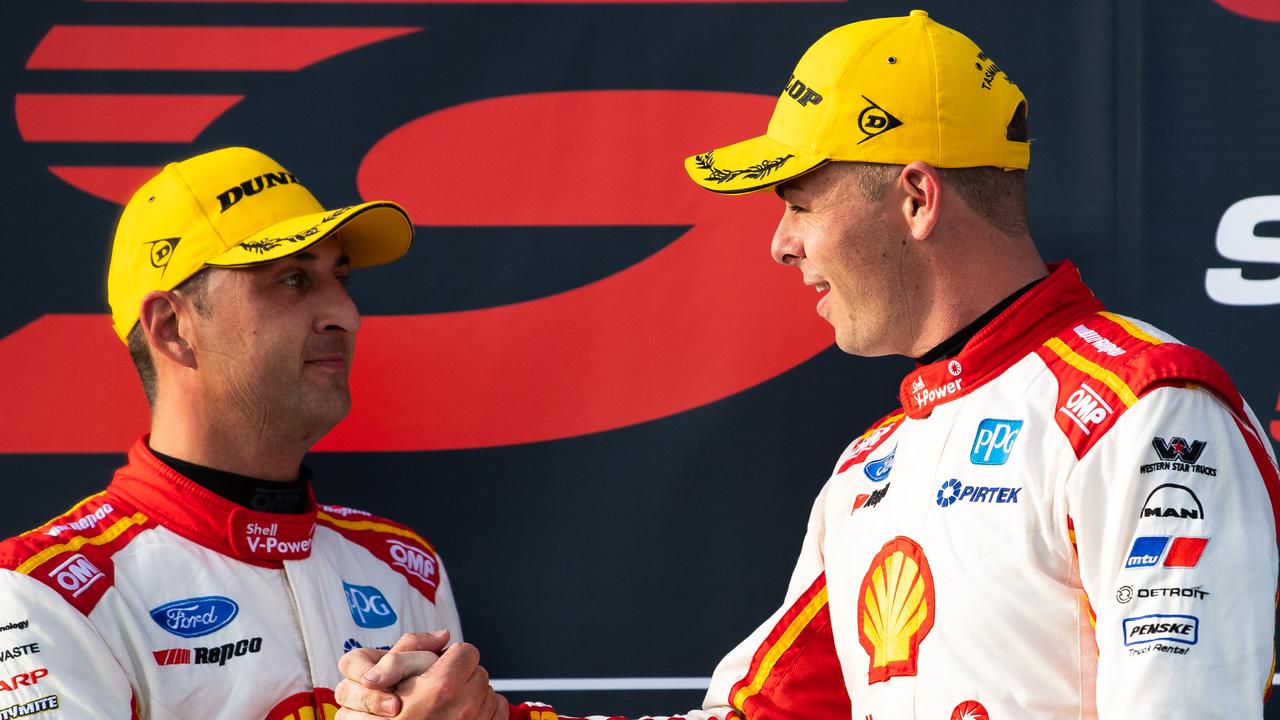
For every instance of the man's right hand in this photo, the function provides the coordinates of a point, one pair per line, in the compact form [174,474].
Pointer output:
[415,680]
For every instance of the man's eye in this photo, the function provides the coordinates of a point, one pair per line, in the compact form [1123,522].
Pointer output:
[794,208]
[295,280]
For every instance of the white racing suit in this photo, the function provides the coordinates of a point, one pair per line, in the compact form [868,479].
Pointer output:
[159,599]
[1073,518]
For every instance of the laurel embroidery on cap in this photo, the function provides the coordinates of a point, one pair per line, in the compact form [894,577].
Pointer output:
[706,162]
[266,245]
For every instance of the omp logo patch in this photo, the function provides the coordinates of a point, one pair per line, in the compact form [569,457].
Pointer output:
[1086,408]
[895,609]
[413,560]
[76,574]
[875,120]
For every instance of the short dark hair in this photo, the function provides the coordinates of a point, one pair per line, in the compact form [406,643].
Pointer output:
[195,288]
[998,196]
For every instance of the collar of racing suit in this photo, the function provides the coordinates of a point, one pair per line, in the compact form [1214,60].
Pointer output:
[287,496]
[1027,323]
[204,517]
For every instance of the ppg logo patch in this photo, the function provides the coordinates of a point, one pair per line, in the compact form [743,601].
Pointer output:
[195,617]
[994,441]
[368,606]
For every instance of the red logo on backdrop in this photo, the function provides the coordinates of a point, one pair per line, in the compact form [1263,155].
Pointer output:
[1266,10]
[704,318]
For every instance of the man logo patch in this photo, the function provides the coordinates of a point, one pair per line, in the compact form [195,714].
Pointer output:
[994,441]
[1175,501]
[874,120]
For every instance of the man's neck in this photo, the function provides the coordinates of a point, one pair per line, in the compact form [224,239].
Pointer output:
[225,446]
[967,280]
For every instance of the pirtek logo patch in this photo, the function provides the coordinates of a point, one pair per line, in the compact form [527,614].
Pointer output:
[234,194]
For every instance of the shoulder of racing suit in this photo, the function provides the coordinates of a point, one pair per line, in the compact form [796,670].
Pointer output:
[866,443]
[397,545]
[1105,362]
[72,553]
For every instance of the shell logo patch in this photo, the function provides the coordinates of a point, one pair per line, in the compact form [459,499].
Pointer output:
[969,710]
[319,705]
[895,609]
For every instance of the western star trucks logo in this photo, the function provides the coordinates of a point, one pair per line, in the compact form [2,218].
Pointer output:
[1178,455]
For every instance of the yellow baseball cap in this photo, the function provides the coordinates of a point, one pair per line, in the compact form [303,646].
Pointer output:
[891,90]
[232,208]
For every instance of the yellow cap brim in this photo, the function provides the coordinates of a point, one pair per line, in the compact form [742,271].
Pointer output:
[373,233]
[750,165]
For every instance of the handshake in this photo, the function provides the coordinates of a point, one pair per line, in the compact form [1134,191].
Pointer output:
[422,676]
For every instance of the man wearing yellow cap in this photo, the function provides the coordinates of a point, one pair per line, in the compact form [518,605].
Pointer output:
[1070,515]
[206,581]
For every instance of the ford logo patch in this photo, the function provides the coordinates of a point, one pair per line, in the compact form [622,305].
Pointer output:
[877,470]
[194,617]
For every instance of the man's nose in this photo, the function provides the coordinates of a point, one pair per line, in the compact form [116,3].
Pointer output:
[340,311]
[785,247]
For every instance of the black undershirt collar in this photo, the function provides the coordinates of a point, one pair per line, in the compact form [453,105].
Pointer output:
[954,344]
[288,497]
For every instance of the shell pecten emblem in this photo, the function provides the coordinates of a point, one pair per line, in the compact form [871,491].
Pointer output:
[896,609]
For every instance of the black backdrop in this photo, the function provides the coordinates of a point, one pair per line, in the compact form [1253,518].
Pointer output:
[624,536]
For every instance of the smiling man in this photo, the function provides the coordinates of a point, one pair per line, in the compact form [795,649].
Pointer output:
[1071,515]
[205,581]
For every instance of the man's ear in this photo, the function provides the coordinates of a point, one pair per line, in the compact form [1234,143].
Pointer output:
[922,198]
[158,316]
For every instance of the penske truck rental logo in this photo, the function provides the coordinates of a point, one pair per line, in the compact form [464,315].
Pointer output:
[895,609]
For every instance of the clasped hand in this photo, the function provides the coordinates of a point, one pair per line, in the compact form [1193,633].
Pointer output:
[422,677]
